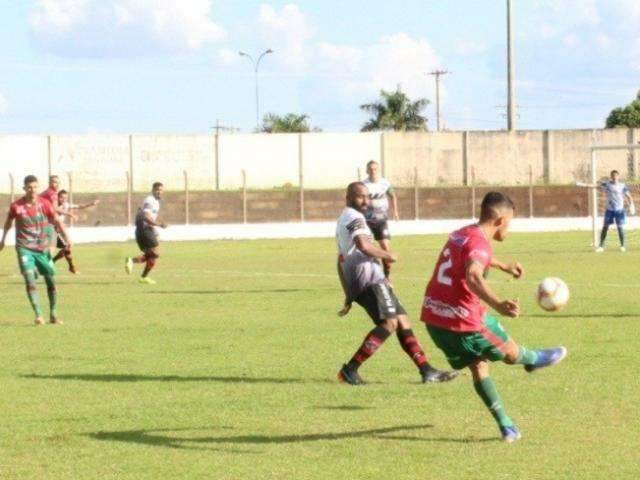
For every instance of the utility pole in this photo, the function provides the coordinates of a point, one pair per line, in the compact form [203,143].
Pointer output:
[216,148]
[511,122]
[437,74]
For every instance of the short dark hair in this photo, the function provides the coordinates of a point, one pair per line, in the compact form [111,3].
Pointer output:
[492,203]
[156,185]
[614,171]
[30,179]
[51,177]
[371,162]
[62,192]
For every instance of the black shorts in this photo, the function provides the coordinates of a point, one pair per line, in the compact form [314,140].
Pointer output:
[60,243]
[380,229]
[380,302]
[146,238]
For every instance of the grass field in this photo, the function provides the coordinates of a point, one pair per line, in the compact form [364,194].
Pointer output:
[226,370]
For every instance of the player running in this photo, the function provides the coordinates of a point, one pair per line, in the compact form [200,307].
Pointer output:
[457,321]
[377,215]
[616,192]
[33,215]
[51,195]
[65,210]
[363,281]
[146,236]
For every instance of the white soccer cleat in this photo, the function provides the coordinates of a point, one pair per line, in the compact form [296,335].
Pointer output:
[599,250]
[622,249]
[128,265]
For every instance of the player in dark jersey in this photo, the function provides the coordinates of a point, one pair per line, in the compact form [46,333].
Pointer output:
[364,282]
[457,320]
[33,215]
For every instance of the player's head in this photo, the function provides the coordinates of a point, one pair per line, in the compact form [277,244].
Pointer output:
[156,189]
[615,175]
[54,182]
[496,211]
[358,196]
[373,170]
[30,186]
[63,195]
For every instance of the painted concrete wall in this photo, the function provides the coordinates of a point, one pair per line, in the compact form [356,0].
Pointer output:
[99,163]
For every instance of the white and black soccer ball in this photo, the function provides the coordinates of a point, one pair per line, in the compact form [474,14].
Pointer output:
[552,294]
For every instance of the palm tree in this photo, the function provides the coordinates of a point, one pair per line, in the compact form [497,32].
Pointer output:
[289,123]
[395,111]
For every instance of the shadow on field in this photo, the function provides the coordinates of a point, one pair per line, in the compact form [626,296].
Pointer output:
[345,408]
[153,438]
[226,292]
[115,377]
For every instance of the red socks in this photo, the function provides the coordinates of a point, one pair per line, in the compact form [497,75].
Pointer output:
[371,343]
[412,347]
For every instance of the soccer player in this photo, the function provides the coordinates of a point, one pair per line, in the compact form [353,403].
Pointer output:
[33,215]
[377,215]
[65,210]
[146,236]
[363,281]
[617,192]
[457,321]
[51,195]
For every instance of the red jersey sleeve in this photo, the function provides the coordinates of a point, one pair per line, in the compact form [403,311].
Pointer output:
[477,250]
[48,210]
[13,211]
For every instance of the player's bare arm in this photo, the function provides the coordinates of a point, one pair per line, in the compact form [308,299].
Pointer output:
[478,285]
[347,301]
[514,269]
[394,205]
[8,223]
[154,223]
[368,248]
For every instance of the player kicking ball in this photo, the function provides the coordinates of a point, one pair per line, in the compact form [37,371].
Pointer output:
[34,216]
[364,282]
[146,236]
[458,322]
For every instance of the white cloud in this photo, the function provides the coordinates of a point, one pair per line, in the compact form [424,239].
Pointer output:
[122,28]
[570,40]
[287,32]
[391,61]
[227,57]
[4,105]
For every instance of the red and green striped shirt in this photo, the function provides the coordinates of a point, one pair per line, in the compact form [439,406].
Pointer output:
[32,221]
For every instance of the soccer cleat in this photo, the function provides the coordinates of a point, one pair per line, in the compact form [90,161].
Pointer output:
[39,321]
[55,320]
[350,376]
[128,265]
[599,250]
[510,434]
[547,357]
[146,280]
[432,375]
[622,249]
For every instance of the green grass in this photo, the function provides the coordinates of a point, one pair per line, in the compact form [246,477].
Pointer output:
[226,370]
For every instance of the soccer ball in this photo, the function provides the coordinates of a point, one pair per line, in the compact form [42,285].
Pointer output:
[552,294]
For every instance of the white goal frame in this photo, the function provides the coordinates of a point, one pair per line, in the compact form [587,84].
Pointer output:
[594,189]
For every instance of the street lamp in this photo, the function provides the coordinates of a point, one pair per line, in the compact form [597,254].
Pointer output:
[256,64]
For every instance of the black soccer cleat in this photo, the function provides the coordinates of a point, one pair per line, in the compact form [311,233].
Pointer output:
[432,375]
[350,376]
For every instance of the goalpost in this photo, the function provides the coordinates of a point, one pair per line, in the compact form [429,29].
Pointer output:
[594,189]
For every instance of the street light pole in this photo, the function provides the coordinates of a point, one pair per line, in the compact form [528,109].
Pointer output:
[256,65]
[511,122]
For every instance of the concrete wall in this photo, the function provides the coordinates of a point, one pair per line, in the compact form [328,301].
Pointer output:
[99,163]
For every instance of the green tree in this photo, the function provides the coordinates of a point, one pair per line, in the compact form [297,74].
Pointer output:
[395,111]
[628,116]
[289,123]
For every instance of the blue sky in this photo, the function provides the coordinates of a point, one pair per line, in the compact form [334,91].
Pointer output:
[107,66]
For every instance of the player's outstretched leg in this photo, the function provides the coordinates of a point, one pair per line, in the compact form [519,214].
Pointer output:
[58,255]
[413,349]
[486,390]
[69,258]
[32,294]
[374,339]
[151,256]
[52,293]
[532,360]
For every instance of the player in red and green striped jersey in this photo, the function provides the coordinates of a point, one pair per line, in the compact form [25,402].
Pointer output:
[34,217]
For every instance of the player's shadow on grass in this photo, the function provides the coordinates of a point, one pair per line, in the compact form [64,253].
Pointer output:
[344,408]
[115,377]
[160,439]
